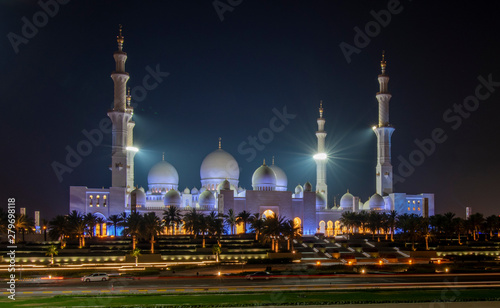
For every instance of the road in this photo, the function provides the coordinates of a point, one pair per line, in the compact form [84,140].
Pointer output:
[121,285]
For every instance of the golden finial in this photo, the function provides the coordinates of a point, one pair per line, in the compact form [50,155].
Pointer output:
[163,156]
[119,39]
[383,63]
[129,97]
[264,162]
[220,143]
[321,108]
[273,159]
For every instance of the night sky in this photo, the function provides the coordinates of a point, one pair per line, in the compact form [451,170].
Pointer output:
[225,77]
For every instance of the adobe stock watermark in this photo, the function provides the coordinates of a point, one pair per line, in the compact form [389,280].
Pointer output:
[455,117]
[449,294]
[140,92]
[94,137]
[223,6]
[265,135]
[362,37]
[30,28]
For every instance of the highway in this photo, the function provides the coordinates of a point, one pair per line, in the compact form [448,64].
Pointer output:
[122,285]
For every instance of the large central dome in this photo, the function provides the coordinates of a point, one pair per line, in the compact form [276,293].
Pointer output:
[218,166]
[163,177]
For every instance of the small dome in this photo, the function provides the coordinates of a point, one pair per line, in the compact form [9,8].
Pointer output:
[366,205]
[140,197]
[194,191]
[172,197]
[281,179]
[307,186]
[264,178]
[376,202]
[225,185]
[142,189]
[299,189]
[207,199]
[202,189]
[163,173]
[187,191]
[320,200]
[346,201]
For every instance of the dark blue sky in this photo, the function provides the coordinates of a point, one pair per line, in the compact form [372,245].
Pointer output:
[226,77]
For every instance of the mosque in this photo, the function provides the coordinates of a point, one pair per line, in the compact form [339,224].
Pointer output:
[219,173]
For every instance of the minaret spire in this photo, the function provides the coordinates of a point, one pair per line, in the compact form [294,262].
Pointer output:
[119,39]
[321,157]
[122,160]
[384,130]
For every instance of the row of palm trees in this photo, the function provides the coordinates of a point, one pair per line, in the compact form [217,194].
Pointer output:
[148,226]
[415,227]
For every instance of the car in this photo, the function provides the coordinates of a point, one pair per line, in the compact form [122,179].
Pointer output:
[96,277]
[259,275]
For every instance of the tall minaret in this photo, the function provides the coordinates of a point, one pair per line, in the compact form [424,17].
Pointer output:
[121,117]
[384,132]
[321,157]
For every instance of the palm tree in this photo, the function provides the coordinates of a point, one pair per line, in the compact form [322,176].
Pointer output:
[202,223]
[133,225]
[243,218]
[459,226]
[91,221]
[216,250]
[52,251]
[215,225]
[151,226]
[114,220]
[425,230]
[172,217]
[58,228]
[191,222]
[448,224]
[273,227]
[392,222]
[410,224]
[347,219]
[290,230]
[231,220]
[257,224]
[23,223]
[136,252]
[374,222]
[362,219]
[492,224]
[77,226]
[476,221]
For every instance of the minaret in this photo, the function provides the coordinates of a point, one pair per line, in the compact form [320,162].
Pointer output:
[321,157]
[121,117]
[131,150]
[384,132]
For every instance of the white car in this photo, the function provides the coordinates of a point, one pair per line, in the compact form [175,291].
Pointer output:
[96,277]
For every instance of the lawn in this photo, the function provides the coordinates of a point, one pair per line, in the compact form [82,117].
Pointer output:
[257,298]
